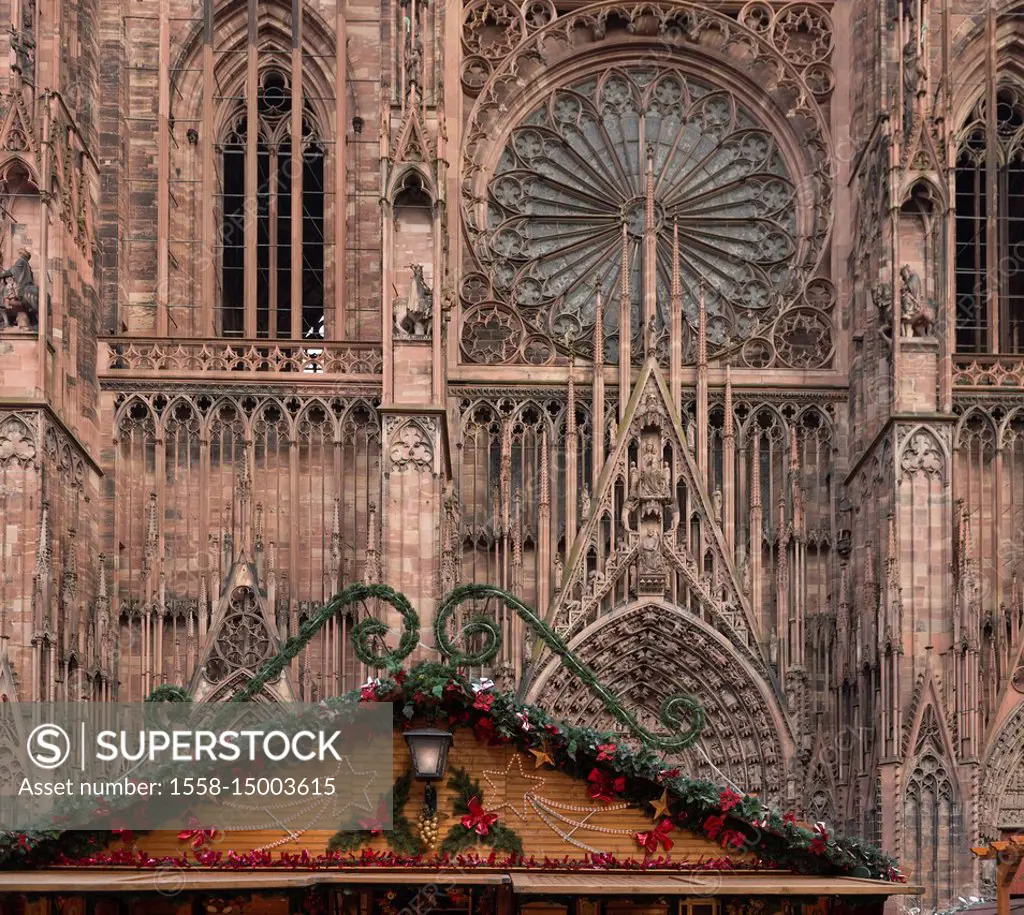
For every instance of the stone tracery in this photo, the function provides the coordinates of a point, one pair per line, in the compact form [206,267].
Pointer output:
[573,172]
[650,650]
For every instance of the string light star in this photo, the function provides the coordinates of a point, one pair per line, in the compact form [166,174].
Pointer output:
[499,784]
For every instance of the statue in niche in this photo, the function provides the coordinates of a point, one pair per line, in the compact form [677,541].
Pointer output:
[917,316]
[585,503]
[652,483]
[881,295]
[691,435]
[413,314]
[743,569]
[20,292]
[23,45]
[651,561]
[716,505]
[914,80]
[413,64]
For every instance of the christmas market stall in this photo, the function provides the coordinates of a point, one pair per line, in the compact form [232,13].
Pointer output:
[497,808]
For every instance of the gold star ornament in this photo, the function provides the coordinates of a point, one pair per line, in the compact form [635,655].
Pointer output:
[660,805]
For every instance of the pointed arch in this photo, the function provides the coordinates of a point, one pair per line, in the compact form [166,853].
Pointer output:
[1001,806]
[649,649]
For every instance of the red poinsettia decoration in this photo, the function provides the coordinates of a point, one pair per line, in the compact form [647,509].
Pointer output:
[789,818]
[713,826]
[603,787]
[478,819]
[606,751]
[650,840]
[195,836]
[483,701]
[728,800]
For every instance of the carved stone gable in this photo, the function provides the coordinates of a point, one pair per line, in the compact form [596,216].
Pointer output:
[652,528]
[243,635]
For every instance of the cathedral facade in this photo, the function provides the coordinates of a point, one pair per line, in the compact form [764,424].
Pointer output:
[697,326]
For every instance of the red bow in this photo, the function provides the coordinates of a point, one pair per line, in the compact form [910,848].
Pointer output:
[375,825]
[195,836]
[602,787]
[649,841]
[478,819]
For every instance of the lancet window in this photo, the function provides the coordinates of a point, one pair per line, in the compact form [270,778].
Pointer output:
[272,263]
[990,226]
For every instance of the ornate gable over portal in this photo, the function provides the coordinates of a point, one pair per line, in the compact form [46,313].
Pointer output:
[652,530]
[651,602]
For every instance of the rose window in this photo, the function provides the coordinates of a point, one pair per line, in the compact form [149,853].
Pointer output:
[572,174]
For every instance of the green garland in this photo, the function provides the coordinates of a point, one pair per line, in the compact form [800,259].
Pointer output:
[400,838]
[681,714]
[362,635]
[168,693]
[500,836]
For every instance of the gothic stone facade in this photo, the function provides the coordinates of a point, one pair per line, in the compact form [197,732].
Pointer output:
[698,326]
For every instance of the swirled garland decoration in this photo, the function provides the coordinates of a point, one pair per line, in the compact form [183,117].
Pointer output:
[362,635]
[676,710]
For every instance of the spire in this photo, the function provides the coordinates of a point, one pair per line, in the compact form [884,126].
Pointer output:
[625,325]
[755,474]
[570,408]
[372,554]
[702,390]
[650,262]
[545,485]
[675,336]
[44,554]
[597,396]
[702,329]
[149,558]
[728,431]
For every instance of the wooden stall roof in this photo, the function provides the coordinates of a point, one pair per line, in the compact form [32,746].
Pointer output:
[719,884]
[589,883]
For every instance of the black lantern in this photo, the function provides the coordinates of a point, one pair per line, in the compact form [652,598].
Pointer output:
[429,750]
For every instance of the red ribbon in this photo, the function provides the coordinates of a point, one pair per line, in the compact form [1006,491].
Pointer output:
[649,841]
[195,836]
[478,819]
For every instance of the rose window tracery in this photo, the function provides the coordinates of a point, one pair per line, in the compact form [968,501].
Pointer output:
[572,174]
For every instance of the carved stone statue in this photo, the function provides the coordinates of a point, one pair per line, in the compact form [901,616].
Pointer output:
[917,316]
[20,293]
[716,505]
[743,569]
[650,560]
[881,295]
[915,78]
[691,435]
[413,64]
[585,503]
[23,46]
[413,314]
[653,484]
